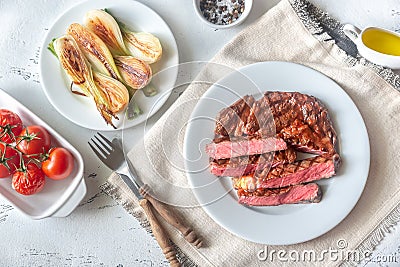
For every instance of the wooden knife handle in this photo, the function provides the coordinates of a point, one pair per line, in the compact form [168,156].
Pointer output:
[159,234]
[172,218]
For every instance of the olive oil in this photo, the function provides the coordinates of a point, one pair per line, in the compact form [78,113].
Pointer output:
[382,41]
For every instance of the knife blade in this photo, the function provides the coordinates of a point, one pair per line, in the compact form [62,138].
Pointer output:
[132,185]
[134,174]
[157,229]
[163,209]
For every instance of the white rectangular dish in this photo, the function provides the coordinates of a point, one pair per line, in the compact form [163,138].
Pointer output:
[58,198]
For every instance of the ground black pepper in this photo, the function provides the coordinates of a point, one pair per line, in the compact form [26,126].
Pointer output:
[222,12]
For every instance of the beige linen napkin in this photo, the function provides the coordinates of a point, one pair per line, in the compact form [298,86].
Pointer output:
[289,32]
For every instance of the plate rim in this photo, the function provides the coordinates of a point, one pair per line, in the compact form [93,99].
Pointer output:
[206,206]
[162,98]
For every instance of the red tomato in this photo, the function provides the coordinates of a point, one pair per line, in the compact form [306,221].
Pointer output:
[59,164]
[34,140]
[29,180]
[10,126]
[9,160]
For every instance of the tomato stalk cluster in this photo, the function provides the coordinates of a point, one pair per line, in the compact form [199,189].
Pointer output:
[26,155]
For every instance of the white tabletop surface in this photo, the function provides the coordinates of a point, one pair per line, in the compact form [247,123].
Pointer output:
[99,232]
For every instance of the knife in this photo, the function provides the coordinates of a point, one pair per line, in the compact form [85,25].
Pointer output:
[163,209]
[156,227]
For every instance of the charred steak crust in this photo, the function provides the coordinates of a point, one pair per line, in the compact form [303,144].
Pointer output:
[302,121]
[231,121]
[284,156]
[249,164]
[303,171]
[307,193]
[277,120]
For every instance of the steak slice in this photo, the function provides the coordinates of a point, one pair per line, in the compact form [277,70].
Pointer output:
[299,172]
[231,121]
[237,147]
[249,164]
[307,193]
[301,120]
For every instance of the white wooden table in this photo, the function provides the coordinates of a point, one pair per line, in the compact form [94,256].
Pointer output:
[99,232]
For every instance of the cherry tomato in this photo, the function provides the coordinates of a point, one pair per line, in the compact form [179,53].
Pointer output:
[9,160]
[34,140]
[59,164]
[28,180]
[10,126]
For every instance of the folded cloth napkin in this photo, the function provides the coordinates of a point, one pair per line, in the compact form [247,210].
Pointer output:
[294,31]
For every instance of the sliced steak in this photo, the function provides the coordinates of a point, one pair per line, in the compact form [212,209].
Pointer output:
[303,171]
[301,120]
[249,164]
[307,193]
[249,130]
[238,147]
[231,121]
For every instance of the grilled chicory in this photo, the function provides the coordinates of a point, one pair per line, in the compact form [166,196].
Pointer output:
[142,45]
[136,73]
[94,49]
[106,27]
[122,41]
[116,92]
[80,72]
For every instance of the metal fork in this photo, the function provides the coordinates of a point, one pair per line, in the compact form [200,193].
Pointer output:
[111,154]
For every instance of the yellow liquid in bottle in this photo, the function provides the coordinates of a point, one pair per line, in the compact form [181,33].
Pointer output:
[381,41]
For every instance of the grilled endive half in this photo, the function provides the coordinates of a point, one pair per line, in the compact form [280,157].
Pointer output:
[120,40]
[114,90]
[106,27]
[94,49]
[142,45]
[80,72]
[135,73]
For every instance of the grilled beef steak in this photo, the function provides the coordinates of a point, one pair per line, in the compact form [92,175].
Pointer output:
[301,120]
[231,121]
[249,164]
[249,130]
[238,147]
[307,193]
[303,171]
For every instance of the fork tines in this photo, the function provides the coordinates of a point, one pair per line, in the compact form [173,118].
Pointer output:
[109,152]
[103,146]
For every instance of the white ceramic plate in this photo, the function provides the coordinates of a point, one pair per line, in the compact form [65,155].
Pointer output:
[81,110]
[58,198]
[287,224]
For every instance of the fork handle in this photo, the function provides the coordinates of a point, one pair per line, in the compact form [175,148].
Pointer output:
[172,218]
[159,234]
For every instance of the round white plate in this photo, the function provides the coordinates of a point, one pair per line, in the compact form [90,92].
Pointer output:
[82,110]
[286,224]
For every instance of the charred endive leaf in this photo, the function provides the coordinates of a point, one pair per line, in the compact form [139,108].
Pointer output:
[106,27]
[142,45]
[135,73]
[80,72]
[116,92]
[94,49]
